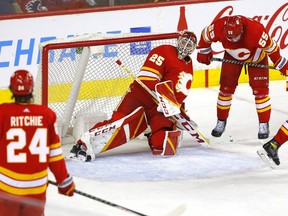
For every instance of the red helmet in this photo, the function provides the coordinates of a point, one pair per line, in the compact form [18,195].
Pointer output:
[186,44]
[233,28]
[21,83]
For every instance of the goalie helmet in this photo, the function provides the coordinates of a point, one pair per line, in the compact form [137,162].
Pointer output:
[21,83]
[233,28]
[186,44]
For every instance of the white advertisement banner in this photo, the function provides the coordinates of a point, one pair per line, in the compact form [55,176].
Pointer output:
[20,38]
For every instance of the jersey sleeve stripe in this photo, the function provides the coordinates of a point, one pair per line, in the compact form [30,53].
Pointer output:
[55,159]
[147,71]
[55,152]
[56,145]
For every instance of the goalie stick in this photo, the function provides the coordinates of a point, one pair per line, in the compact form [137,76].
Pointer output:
[185,125]
[175,212]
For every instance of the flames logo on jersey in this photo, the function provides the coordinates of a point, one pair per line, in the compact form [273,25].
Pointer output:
[184,83]
[240,54]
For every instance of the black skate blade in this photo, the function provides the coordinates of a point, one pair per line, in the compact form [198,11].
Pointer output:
[263,155]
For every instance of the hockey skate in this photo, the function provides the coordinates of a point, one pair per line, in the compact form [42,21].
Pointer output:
[269,153]
[79,153]
[263,130]
[219,129]
[83,150]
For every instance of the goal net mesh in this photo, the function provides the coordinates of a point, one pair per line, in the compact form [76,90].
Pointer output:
[79,75]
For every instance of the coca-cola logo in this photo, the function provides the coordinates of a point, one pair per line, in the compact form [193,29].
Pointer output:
[276,23]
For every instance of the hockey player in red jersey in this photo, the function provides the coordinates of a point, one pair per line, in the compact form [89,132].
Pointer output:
[244,40]
[269,152]
[163,63]
[29,145]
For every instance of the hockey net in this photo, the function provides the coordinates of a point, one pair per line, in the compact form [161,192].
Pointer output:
[79,79]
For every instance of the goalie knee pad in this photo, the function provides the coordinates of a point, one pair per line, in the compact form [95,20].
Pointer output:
[165,142]
[171,142]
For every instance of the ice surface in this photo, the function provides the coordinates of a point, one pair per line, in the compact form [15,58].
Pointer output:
[226,179]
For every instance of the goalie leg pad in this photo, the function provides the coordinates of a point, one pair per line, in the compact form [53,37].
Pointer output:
[114,134]
[170,140]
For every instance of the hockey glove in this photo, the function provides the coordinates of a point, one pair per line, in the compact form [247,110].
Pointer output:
[67,187]
[282,66]
[204,55]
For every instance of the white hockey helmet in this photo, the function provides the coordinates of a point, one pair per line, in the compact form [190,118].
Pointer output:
[186,44]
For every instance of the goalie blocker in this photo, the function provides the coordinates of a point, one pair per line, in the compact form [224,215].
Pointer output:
[117,133]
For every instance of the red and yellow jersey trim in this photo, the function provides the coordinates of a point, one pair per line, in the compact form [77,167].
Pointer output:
[23,184]
[153,71]
[56,153]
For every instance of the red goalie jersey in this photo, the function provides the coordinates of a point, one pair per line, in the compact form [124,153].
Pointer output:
[28,145]
[162,64]
[254,45]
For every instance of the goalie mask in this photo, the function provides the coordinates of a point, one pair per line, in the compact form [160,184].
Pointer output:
[186,44]
[233,28]
[21,83]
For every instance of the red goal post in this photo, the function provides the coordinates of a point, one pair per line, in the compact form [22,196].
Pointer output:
[79,75]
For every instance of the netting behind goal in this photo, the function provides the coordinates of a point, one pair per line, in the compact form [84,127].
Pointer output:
[78,76]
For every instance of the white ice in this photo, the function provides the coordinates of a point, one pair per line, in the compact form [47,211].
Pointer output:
[226,179]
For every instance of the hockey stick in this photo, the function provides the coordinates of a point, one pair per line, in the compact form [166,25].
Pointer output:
[242,63]
[102,200]
[175,212]
[186,125]
[248,64]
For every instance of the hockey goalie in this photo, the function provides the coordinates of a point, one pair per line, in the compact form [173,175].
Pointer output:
[167,71]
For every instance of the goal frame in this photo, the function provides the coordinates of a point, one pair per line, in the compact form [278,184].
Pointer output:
[120,40]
